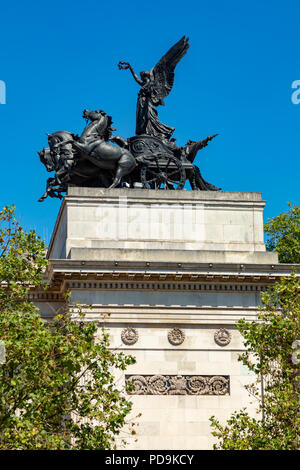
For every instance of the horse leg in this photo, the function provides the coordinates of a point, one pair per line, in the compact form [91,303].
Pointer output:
[104,179]
[125,165]
[118,176]
[51,182]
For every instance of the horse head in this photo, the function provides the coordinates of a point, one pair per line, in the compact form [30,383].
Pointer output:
[60,137]
[47,159]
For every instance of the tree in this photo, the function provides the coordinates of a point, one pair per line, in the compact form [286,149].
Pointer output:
[283,235]
[57,387]
[271,355]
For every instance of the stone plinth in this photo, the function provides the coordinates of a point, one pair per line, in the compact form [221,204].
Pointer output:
[190,222]
[175,270]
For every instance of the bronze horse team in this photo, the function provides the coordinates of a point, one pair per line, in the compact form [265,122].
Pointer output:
[100,159]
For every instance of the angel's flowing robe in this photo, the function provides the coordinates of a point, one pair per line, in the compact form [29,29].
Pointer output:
[147,121]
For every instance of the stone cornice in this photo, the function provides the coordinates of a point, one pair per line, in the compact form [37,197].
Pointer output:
[64,275]
[151,195]
[223,272]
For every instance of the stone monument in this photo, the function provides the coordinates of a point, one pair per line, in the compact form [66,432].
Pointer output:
[173,296]
[174,269]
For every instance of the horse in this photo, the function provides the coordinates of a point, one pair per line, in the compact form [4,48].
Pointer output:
[89,159]
[93,146]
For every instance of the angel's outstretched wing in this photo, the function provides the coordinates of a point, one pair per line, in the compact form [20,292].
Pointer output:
[163,72]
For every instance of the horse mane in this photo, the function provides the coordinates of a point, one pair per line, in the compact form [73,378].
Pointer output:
[109,129]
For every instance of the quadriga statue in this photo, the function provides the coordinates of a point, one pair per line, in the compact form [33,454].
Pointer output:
[149,160]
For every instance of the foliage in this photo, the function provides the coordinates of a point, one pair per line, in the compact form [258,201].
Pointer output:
[283,235]
[270,354]
[57,387]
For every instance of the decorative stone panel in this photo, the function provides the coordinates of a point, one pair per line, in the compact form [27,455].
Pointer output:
[222,337]
[129,336]
[178,384]
[176,336]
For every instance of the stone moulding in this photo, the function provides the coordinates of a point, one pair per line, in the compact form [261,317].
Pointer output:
[162,286]
[36,295]
[178,384]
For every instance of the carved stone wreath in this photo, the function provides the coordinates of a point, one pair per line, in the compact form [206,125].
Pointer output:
[222,337]
[137,384]
[198,385]
[176,336]
[218,385]
[158,385]
[129,336]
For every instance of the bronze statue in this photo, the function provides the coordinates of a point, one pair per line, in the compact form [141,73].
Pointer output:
[88,157]
[155,86]
[150,160]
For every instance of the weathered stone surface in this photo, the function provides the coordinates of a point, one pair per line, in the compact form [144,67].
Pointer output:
[159,221]
[170,254]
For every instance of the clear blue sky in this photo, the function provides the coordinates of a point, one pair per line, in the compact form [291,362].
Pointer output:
[60,57]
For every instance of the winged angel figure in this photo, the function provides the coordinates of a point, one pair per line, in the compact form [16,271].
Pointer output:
[155,86]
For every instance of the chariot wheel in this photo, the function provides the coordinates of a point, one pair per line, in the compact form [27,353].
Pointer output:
[163,172]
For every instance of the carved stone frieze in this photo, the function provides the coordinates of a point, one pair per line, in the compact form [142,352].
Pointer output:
[129,336]
[178,384]
[176,336]
[222,337]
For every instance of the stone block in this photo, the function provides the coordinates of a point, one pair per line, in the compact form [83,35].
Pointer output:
[198,220]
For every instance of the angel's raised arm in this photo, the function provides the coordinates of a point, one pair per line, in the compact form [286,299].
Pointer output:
[125,66]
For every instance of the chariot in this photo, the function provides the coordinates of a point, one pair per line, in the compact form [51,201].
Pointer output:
[159,165]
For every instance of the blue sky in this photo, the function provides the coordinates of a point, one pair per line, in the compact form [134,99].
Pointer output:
[58,58]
